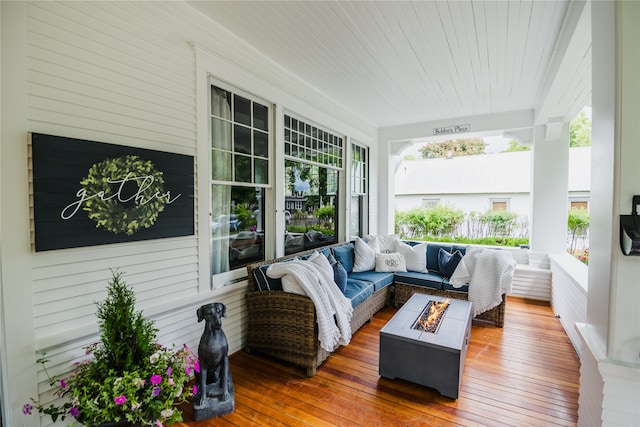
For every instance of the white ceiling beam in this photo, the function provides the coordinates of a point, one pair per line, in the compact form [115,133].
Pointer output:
[571,48]
[479,125]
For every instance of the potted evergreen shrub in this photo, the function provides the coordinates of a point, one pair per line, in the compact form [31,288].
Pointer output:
[129,378]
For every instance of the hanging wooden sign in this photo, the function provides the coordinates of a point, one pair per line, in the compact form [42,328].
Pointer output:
[446,130]
[89,193]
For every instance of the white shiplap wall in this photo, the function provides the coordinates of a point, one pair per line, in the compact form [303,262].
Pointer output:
[125,73]
[96,72]
[86,79]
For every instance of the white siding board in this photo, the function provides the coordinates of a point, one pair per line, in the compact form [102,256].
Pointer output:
[112,39]
[69,75]
[101,111]
[104,68]
[164,118]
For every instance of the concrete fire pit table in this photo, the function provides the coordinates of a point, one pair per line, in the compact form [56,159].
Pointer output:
[433,359]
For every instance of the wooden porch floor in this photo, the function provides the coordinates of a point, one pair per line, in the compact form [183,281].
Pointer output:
[525,374]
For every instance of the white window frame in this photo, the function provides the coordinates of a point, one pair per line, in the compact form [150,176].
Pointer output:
[359,188]
[232,276]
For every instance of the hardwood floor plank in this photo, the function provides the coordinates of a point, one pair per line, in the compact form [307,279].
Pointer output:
[525,374]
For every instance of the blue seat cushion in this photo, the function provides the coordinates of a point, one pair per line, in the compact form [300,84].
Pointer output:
[358,291]
[344,255]
[447,287]
[379,279]
[428,280]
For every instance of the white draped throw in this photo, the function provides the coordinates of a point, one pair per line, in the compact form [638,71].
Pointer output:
[332,307]
[489,273]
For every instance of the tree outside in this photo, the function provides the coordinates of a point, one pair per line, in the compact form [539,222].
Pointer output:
[580,131]
[453,148]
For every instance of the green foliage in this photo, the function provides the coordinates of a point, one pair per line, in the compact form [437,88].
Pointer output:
[108,211]
[130,376]
[580,131]
[516,146]
[457,147]
[446,224]
[499,223]
[245,216]
[326,213]
[488,241]
[578,226]
[437,221]
[127,337]
[292,228]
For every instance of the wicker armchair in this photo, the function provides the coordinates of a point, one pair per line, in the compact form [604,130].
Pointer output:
[284,325]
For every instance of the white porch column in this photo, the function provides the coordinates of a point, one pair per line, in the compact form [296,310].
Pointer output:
[549,189]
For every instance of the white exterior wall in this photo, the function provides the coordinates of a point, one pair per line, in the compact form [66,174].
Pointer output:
[122,73]
[518,203]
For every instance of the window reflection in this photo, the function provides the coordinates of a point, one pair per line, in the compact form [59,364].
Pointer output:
[310,206]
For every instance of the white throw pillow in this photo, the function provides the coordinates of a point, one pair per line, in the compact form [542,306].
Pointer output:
[390,262]
[365,255]
[415,256]
[322,262]
[386,244]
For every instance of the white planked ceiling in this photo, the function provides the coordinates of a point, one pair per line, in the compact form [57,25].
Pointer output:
[398,62]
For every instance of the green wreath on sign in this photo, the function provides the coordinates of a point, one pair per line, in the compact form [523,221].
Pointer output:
[114,207]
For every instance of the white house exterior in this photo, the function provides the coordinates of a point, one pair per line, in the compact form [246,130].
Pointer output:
[483,182]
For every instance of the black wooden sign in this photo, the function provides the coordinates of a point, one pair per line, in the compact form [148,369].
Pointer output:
[89,193]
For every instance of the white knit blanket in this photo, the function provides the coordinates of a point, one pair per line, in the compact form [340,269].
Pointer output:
[489,274]
[327,298]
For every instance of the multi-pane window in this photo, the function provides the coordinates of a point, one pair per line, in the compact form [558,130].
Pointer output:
[240,135]
[311,143]
[359,190]
[313,160]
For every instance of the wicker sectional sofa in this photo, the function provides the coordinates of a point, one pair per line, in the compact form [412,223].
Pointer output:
[284,325]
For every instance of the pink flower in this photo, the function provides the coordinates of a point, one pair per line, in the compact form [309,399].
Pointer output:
[63,383]
[196,366]
[169,371]
[27,408]
[74,412]
[120,400]
[195,390]
[155,379]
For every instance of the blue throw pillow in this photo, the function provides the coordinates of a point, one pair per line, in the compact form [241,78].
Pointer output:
[340,276]
[344,254]
[447,262]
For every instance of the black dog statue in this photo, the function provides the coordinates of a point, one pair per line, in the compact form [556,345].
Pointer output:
[215,386]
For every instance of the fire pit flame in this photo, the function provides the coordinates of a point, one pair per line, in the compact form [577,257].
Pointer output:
[430,318]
